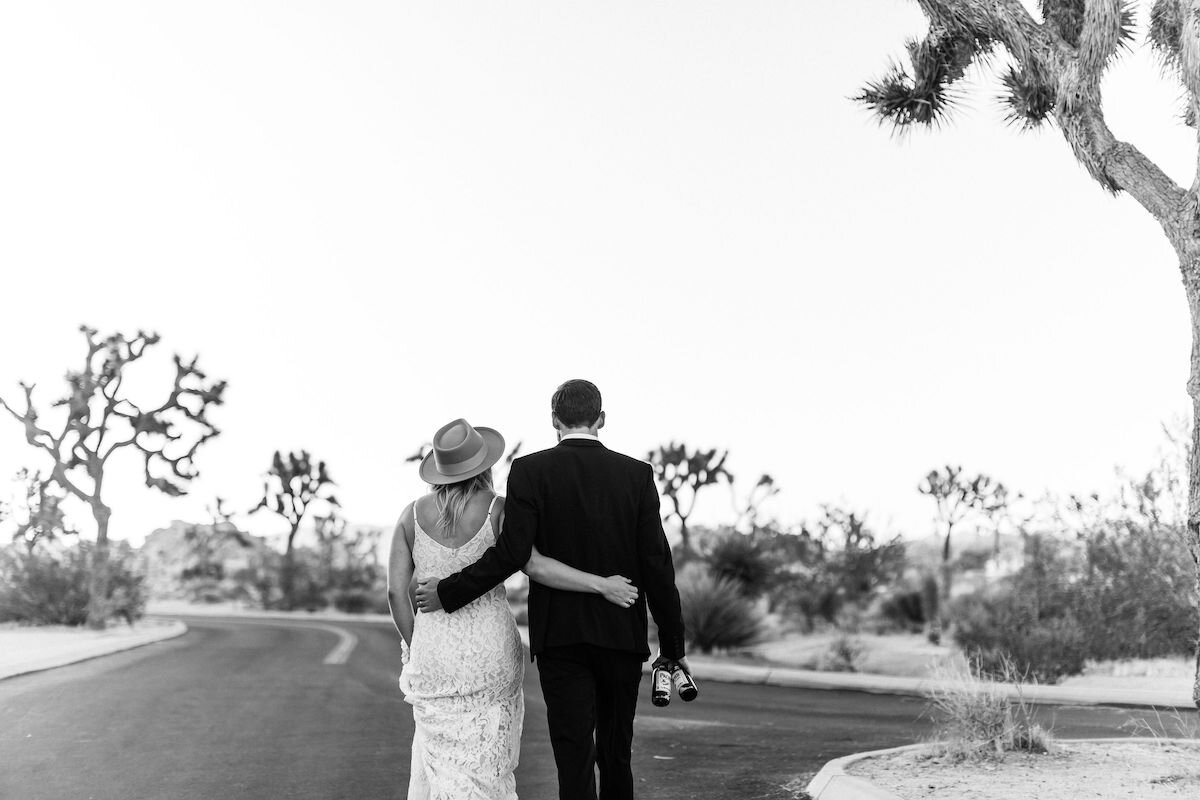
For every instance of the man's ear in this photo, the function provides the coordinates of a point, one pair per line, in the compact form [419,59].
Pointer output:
[600,421]
[555,422]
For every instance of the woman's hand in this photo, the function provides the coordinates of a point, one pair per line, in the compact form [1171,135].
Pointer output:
[618,590]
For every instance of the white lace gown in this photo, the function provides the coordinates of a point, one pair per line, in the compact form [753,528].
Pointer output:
[463,678]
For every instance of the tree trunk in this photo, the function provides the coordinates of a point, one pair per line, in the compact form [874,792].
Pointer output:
[97,611]
[1191,280]
[937,623]
[685,544]
[931,609]
[287,573]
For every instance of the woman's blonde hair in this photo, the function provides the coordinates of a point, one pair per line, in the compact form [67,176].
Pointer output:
[451,499]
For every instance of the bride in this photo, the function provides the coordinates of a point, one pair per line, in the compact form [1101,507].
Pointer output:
[463,672]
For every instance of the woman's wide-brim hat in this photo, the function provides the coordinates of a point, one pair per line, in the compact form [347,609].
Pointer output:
[460,452]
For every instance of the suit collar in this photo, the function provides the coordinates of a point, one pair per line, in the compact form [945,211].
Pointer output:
[580,443]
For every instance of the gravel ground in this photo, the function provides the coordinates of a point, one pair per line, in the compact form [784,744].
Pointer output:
[1073,770]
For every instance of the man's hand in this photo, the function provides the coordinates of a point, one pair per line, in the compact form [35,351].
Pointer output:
[663,661]
[427,596]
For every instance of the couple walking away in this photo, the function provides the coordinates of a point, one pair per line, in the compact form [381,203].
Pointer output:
[574,513]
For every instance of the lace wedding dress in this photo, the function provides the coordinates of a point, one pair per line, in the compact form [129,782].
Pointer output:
[463,677]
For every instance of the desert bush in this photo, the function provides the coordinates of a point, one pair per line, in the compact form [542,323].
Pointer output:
[904,610]
[353,601]
[1002,629]
[1135,595]
[45,587]
[830,564]
[1121,588]
[258,586]
[361,601]
[743,559]
[976,716]
[307,582]
[716,615]
[843,654]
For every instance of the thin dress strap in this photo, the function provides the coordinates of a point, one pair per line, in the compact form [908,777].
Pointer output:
[492,505]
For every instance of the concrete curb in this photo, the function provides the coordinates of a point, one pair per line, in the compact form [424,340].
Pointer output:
[85,651]
[707,668]
[833,782]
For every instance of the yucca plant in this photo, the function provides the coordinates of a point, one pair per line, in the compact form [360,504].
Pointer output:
[1053,77]
[715,613]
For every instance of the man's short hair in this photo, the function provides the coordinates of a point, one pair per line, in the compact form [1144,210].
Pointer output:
[576,403]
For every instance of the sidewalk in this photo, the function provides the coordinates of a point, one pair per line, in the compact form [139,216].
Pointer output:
[24,650]
[42,649]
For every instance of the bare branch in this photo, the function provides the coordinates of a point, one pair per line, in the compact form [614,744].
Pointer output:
[1121,166]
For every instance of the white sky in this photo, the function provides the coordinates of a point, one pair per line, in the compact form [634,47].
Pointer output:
[373,217]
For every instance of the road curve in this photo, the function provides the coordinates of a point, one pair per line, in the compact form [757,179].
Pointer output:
[252,709]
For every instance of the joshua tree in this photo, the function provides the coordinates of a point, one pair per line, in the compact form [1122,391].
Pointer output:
[41,519]
[957,497]
[101,420]
[1053,76]
[748,509]
[292,485]
[682,474]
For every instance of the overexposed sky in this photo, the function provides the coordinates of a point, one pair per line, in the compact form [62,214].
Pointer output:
[374,217]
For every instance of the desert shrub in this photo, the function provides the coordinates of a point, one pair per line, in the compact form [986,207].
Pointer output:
[361,601]
[810,593]
[715,612]
[904,610]
[258,586]
[835,562]
[743,559]
[843,654]
[971,561]
[1135,594]
[1002,629]
[53,588]
[352,601]
[308,586]
[977,716]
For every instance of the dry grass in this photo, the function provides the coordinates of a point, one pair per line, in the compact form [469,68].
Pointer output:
[977,718]
[1177,724]
[844,654]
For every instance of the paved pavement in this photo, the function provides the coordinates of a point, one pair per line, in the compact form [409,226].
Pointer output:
[257,708]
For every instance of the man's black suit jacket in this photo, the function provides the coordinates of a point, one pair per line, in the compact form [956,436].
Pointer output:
[595,510]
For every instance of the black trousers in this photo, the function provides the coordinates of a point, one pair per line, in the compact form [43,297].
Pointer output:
[591,695]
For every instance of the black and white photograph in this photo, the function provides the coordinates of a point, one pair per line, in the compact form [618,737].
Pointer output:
[673,400]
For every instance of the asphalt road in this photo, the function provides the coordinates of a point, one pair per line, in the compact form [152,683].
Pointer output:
[266,709]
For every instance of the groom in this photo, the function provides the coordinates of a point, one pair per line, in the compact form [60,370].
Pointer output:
[595,510]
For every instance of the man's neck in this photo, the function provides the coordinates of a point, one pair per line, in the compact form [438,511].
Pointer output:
[565,432]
